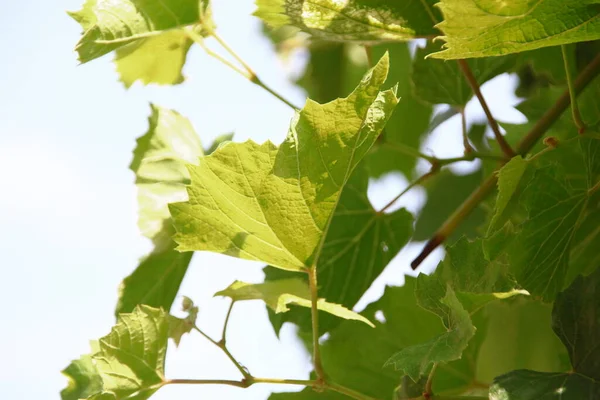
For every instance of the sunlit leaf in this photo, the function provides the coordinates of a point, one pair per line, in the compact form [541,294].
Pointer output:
[180,326]
[109,25]
[509,180]
[481,28]
[364,21]
[283,292]
[274,204]
[84,379]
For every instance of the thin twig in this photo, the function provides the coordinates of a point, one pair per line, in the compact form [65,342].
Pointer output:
[525,145]
[226,323]
[369,52]
[463,121]
[428,392]
[409,151]
[418,181]
[245,373]
[347,391]
[466,70]
[574,108]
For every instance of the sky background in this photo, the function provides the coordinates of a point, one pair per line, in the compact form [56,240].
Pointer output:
[68,211]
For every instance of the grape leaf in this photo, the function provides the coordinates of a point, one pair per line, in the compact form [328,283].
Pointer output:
[280,293]
[531,385]
[442,82]
[576,321]
[84,379]
[539,253]
[127,363]
[354,353]
[476,281]
[274,204]
[481,28]
[363,21]
[359,244]
[158,59]
[159,164]
[509,180]
[180,326]
[109,25]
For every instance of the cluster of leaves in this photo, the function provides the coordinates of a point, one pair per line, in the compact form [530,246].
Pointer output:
[506,315]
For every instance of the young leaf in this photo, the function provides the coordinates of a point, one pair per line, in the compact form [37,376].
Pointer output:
[359,244]
[480,28]
[274,204]
[84,379]
[477,281]
[280,293]
[127,363]
[363,21]
[158,59]
[414,361]
[442,82]
[531,385]
[132,355]
[109,25]
[159,165]
[180,326]
[576,321]
[509,179]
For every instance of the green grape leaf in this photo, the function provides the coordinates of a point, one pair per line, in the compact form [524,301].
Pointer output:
[158,59]
[509,180]
[159,165]
[532,385]
[129,362]
[414,361]
[482,28]
[540,251]
[84,379]
[359,244]
[362,21]
[283,292]
[409,123]
[442,82]
[519,336]
[445,192]
[180,326]
[274,204]
[463,283]
[132,356]
[111,25]
[354,353]
[576,321]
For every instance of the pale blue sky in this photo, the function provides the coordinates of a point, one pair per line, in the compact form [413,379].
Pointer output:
[68,204]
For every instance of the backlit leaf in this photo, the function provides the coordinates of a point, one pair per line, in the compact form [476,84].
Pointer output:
[109,25]
[274,204]
[283,292]
[180,326]
[158,59]
[509,179]
[84,379]
[364,21]
[359,245]
[481,28]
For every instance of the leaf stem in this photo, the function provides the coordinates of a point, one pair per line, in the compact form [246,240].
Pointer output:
[418,181]
[574,108]
[466,144]
[594,188]
[369,53]
[246,72]
[466,70]
[225,350]
[223,340]
[525,145]
[284,381]
[348,392]
[428,393]
[241,384]
[470,156]
[312,281]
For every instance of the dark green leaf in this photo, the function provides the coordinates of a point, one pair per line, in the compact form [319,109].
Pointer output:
[531,385]
[576,321]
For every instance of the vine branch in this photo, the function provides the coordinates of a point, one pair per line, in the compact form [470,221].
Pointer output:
[525,145]
[466,70]
[312,281]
